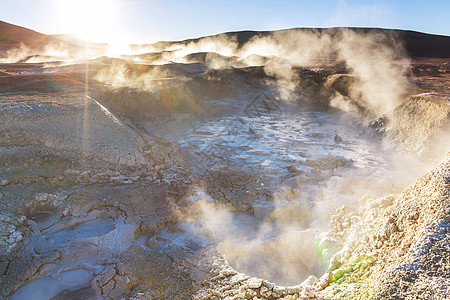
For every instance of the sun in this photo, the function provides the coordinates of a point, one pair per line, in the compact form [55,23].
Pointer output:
[92,20]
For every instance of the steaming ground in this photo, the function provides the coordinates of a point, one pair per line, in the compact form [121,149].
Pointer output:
[270,182]
[220,168]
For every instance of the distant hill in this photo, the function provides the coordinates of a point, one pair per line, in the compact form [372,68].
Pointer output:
[417,44]
[12,36]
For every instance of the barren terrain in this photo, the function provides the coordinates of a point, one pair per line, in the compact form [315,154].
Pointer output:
[296,164]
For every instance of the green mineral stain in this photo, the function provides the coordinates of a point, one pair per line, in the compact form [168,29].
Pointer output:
[353,270]
[352,280]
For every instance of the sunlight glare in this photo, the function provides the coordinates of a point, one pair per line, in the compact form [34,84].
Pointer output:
[92,20]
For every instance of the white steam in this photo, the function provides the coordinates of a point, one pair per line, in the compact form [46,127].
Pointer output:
[376,61]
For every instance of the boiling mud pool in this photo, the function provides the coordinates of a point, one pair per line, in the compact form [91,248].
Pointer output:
[307,163]
[311,162]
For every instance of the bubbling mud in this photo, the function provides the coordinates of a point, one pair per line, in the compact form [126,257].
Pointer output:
[303,166]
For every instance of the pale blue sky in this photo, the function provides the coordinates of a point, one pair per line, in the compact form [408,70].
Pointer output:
[152,20]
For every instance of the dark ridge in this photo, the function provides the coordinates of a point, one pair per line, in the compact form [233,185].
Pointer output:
[417,44]
[426,45]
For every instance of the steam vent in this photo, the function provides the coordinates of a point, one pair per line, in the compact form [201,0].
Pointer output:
[292,164]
